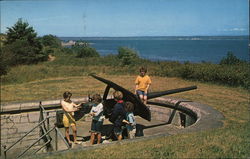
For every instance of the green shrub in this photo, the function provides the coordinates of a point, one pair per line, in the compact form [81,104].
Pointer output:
[87,52]
[127,56]
[235,75]
[67,50]
[4,63]
[230,59]
[51,41]
[23,53]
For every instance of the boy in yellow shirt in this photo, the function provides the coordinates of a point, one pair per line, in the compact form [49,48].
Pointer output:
[142,84]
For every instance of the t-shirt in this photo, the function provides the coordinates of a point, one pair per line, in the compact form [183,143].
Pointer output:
[118,115]
[142,82]
[98,110]
[131,119]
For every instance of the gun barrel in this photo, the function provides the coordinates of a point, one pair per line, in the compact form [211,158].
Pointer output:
[172,91]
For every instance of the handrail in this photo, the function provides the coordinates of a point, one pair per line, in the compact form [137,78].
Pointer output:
[44,116]
[40,105]
[35,142]
[47,134]
[44,128]
[27,133]
[56,128]
[41,147]
[42,120]
[60,134]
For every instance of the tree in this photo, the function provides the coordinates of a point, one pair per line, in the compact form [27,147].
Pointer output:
[127,56]
[51,41]
[231,59]
[21,31]
[23,45]
[4,58]
[4,62]
[21,52]
[87,52]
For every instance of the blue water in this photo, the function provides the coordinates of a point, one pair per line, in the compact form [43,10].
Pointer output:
[192,49]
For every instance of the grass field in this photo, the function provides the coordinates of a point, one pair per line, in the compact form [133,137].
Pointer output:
[230,141]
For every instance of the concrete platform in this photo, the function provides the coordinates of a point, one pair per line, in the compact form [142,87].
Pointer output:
[144,129]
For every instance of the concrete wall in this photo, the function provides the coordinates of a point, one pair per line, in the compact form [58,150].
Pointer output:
[160,113]
[15,126]
[171,116]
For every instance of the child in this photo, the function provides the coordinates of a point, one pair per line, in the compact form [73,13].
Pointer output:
[97,119]
[68,117]
[142,84]
[130,120]
[118,115]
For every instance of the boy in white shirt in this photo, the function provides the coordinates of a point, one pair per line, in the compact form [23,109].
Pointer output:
[97,119]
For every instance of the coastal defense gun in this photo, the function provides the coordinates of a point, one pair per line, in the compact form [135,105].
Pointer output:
[140,108]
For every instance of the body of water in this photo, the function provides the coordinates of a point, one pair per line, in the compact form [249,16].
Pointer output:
[192,49]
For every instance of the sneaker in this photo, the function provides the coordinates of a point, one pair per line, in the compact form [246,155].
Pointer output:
[77,142]
[103,137]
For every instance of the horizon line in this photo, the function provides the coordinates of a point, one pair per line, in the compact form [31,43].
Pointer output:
[152,36]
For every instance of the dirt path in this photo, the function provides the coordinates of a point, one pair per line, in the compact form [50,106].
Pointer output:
[51,58]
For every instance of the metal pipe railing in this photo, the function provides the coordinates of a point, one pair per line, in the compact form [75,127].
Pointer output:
[44,125]
[35,142]
[60,134]
[26,134]
[57,131]
[47,135]
[41,147]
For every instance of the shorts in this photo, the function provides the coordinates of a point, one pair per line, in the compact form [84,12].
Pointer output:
[131,134]
[139,92]
[96,126]
[118,130]
[68,120]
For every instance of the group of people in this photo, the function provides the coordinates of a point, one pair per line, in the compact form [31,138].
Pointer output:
[121,117]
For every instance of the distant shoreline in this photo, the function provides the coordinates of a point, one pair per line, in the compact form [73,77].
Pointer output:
[243,37]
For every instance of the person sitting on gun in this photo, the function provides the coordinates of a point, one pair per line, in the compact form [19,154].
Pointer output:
[142,84]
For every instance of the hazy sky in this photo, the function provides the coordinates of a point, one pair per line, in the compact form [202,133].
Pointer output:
[111,18]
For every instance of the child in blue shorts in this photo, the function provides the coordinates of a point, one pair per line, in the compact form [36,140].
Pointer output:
[142,84]
[130,120]
[97,119]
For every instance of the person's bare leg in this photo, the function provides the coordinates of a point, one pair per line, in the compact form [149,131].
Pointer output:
[92,138]
[74,132]
[141,98]
[99,137]
[67,134]
[119,137]
[145,98]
